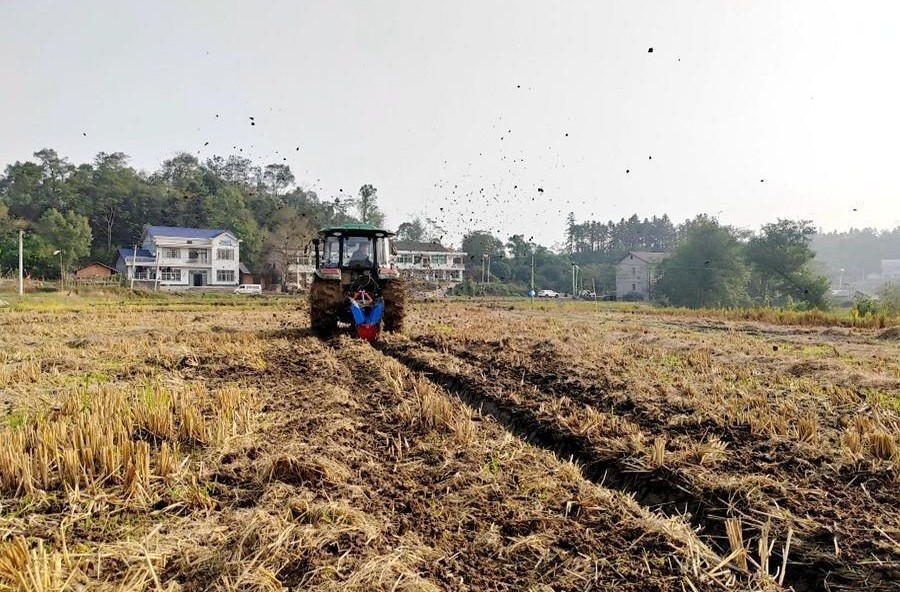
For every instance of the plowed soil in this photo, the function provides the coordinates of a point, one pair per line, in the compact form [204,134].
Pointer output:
[790,432]
[483,449]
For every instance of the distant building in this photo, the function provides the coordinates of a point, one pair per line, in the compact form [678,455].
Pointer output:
[850,294]
[177,257]
[246,274]
[429,262]
[94,271]
[890,269]
[636,274]
[299,272]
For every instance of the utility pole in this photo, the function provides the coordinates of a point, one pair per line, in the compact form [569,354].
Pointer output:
[21,267]
[489,268]
[156,278]
[574,271]
[298,272]
[133,265]
[531,292]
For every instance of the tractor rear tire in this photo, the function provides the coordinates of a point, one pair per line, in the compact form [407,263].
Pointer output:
[394,294]
[325,299]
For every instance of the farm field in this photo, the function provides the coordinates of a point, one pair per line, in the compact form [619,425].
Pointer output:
[183,444]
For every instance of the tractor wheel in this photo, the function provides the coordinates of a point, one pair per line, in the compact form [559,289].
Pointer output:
[394,294]
[325,298]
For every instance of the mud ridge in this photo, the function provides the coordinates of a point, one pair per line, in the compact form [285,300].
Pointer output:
[659,490]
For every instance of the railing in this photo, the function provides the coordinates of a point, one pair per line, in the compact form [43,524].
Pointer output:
[443,266]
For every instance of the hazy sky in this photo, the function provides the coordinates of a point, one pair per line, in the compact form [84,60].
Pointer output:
[439,103]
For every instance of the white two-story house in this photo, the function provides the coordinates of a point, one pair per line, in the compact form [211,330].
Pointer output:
[429,262]
[174,258]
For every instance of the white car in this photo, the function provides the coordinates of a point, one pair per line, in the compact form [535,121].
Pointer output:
[248,289]
[547,294]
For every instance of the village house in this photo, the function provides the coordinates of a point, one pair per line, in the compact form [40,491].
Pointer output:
[429,262]
[177,258]
[94,271]
[636,275]
[300,271]
[890,269]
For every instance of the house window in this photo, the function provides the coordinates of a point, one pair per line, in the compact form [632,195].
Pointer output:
[173,253]
[405,258]
[225,275]
[457,261]
[417,259]
[225,254]
[167,274]
[197,254]
[439,260]
[633,271]
[634,287]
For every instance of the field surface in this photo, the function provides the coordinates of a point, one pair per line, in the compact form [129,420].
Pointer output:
[186,444]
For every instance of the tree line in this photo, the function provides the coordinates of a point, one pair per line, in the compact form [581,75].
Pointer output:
[75,212]
[858,252]
[710,264]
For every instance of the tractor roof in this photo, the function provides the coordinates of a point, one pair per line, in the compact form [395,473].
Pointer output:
[355,229]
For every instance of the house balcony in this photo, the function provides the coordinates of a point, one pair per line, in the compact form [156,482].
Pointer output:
[419,266]
[130,261]
[196,261]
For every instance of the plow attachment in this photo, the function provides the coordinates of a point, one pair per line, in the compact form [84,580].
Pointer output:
[366,315]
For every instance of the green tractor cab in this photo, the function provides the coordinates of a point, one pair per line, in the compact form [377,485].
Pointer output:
[355,269]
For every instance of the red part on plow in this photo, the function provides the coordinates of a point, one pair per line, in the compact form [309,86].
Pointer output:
[367,332]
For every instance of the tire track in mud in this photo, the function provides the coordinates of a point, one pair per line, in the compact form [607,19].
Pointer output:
[661,489]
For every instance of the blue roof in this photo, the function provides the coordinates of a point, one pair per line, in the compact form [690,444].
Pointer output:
[179,232]
[125,253]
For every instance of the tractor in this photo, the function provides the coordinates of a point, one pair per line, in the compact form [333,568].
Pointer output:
[355,282]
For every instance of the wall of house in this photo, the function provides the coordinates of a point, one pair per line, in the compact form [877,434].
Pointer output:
[93,271]
[213,265]
[226,265]
[430,266]
[634,275]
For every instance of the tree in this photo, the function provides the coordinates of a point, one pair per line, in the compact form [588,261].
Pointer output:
[112,185]
[414,230]
[479,244]
[278,177]
[367,206]
[6,225]
[70,234]
[780,258]
[38,259]
[20,188]
[290,237]
[706,269]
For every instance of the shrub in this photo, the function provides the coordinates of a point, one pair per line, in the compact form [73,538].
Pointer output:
[867,306]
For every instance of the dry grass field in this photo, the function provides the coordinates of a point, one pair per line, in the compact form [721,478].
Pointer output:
[193,444]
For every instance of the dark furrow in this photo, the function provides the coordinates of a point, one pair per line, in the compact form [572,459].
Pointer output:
[661,489]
